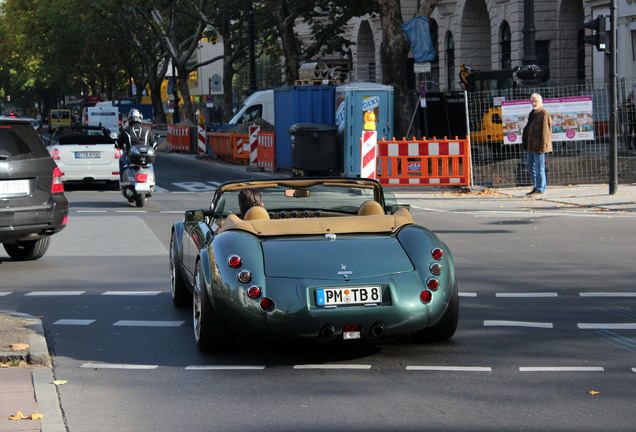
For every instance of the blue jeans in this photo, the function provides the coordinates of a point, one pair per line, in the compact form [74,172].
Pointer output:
[536,168]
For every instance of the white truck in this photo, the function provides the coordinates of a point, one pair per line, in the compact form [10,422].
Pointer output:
[104,116]
[259,104]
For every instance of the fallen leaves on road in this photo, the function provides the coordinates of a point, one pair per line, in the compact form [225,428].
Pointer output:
[60,382]
[593,393]
[19,346]
[19,416]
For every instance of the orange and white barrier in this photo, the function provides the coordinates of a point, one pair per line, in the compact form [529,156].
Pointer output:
[201,138]
[424,162]
[253,144]
[178,138]
[368,154]
[266,151]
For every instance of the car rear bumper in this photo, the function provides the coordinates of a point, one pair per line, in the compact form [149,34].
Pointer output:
[108,172]
[297,316]
[32,222]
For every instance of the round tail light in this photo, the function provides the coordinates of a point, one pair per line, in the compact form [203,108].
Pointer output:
[437,253]
[234,261]
[435,268]
[254,292]
[244,276]
[267,304]
[432,284]
[426,296]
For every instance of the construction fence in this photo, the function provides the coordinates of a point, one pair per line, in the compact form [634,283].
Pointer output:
[574,160]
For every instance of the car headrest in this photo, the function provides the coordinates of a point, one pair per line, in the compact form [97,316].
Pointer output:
[369,208]
[255,213]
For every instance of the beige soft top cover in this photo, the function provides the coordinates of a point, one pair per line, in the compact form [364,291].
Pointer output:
[325,225]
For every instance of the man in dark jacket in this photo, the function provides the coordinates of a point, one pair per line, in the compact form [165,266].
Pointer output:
[537,141]
[134,134]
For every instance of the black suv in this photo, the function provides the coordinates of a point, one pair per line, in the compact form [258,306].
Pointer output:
[32,201]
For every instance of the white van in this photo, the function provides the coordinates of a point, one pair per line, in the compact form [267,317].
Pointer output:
[105,117]
[259,104]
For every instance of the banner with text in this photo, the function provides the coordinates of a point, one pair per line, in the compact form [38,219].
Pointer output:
[572,118]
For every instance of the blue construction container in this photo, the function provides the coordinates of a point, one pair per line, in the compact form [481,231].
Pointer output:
[300,104]
[353,100]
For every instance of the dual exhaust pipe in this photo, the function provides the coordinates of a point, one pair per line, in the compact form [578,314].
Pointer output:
[328,331]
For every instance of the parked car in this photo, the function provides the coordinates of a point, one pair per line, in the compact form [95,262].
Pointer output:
[32,202]
[325,258]
[85,153]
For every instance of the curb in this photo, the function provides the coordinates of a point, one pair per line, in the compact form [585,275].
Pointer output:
[45,390]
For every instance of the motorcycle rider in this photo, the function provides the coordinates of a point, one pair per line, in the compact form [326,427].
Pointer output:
[135,133]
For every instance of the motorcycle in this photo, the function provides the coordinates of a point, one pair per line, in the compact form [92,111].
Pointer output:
[138,180]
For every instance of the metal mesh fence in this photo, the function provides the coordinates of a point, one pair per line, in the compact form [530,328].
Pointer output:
[573,162]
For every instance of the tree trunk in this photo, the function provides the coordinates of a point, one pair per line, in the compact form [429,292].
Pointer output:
[188,108]
[228,76]
[289,40]
[394,51]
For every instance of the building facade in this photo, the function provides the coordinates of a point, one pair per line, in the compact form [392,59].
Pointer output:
[488,35]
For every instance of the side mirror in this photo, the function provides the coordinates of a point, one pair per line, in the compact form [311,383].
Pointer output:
[113,135]
[197,215]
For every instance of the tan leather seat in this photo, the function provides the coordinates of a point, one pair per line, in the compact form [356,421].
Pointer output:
[256,213]
[370,208]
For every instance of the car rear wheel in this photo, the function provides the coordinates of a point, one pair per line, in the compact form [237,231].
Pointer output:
[180,294]
[445,328]
[209,332]
[28,250]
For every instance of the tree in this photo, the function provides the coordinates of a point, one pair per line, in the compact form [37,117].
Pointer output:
[394,52]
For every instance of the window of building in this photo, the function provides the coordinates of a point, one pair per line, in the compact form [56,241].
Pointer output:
[504,46]
[450,61]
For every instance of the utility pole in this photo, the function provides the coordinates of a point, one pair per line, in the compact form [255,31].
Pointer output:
[613,162]
[250,31]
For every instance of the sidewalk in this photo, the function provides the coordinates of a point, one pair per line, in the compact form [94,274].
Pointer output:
[26,376]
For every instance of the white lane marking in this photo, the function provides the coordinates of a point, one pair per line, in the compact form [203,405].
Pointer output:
[503,323]
[5,293]
[139,323]
[450,368]
[633,369]
[197,186]
[225,367]
[92,211]
[467,294]
[78,322]
[607,326]
[527,295]
[131,211]
[561,369]
[55,293]
[131,293]
[333,366]
[608,294]
[172,212]
[118,366]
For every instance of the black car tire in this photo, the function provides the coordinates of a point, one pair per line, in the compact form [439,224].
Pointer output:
[445,328]
[181,296]
[209,333]
[28,250]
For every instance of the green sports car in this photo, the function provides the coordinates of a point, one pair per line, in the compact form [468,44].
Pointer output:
[321,258]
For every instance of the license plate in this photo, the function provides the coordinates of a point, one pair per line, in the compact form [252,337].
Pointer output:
[359,295]
[87,155]
[14,187]
[142,187]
